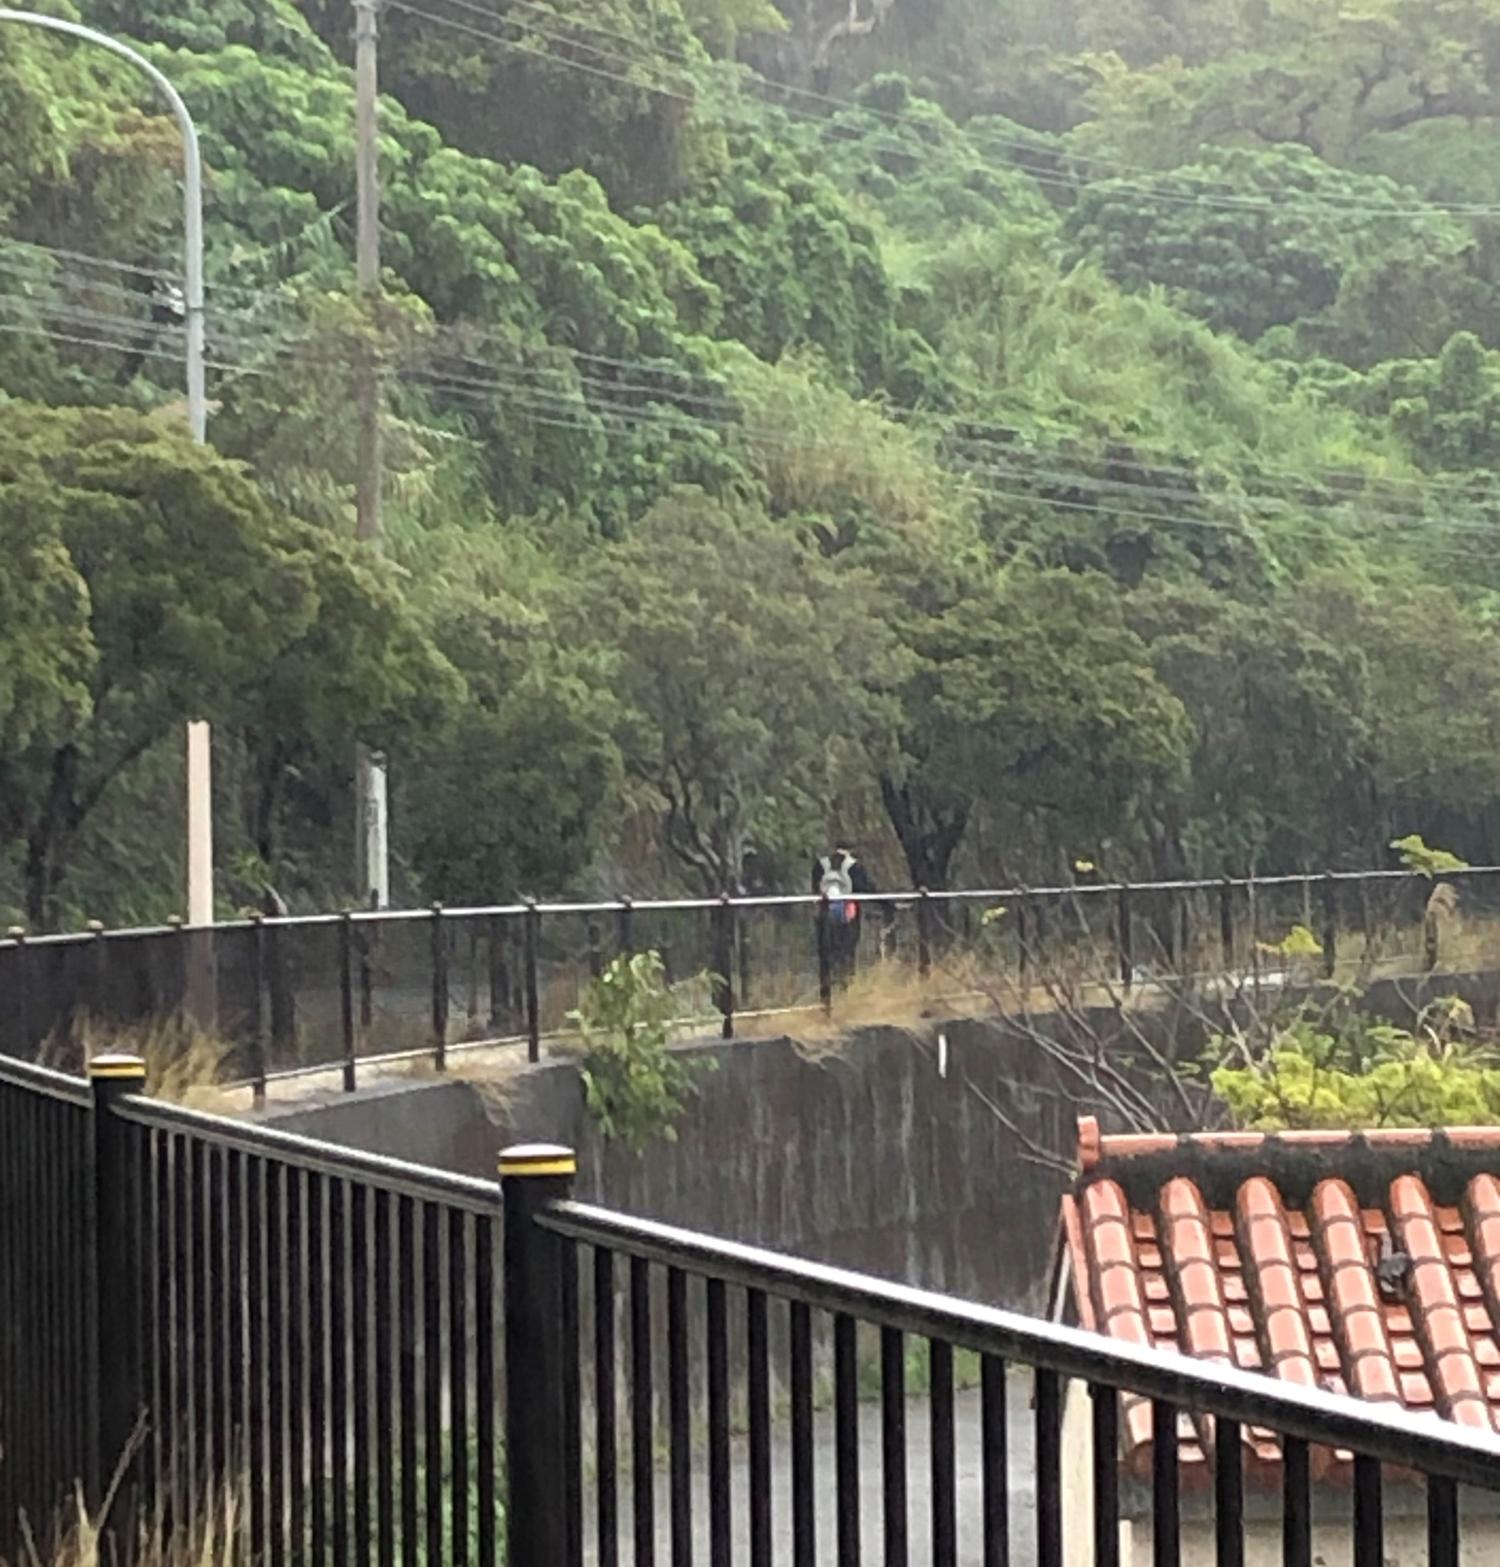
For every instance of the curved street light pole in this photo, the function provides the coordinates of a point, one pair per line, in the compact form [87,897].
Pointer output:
[199,753]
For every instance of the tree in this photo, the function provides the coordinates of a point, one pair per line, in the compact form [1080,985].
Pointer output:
[1031,694]
[46,653]
[744,674]
[1251,240]
[201,600]
[1279,709]
[506,797]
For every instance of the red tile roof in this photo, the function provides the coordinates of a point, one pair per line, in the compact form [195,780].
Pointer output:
[1361,1262]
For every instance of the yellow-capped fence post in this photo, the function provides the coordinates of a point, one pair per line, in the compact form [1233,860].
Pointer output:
[120,1319]
[541,1360]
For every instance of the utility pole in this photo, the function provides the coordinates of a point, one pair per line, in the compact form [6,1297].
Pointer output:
[371,843]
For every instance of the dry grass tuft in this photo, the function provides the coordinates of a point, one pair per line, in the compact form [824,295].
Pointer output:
[184,1064]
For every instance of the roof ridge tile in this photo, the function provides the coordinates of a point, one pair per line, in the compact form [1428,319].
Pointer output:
[1436,1310]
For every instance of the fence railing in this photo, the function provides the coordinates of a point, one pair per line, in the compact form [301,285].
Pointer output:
[213,1325]
[326,992]
[806,1488]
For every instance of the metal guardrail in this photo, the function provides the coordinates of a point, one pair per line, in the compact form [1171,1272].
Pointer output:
[567,1507]
[190,1306]
[329,991]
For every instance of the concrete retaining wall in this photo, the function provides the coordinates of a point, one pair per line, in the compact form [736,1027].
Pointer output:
[870,1155]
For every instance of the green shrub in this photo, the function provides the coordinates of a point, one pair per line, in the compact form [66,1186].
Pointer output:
[636,1086]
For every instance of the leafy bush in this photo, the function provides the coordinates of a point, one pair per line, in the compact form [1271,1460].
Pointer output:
[635,1085]
[1353,1071]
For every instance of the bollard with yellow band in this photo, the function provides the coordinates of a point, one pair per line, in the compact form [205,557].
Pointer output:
[121,1390]
[544,1520]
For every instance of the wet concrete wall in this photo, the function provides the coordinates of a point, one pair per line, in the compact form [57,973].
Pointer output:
[886,1153]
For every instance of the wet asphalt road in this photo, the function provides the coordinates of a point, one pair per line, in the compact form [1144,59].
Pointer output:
[872,1553]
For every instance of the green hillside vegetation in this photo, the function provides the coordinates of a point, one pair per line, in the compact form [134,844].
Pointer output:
[1067,427]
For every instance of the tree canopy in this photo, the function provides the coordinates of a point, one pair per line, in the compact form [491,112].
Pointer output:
[989,424]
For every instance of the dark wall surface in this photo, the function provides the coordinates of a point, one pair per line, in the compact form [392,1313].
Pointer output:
[869,1156]
[873,1153]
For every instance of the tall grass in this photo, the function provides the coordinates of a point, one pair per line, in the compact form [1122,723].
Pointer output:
[216,1539]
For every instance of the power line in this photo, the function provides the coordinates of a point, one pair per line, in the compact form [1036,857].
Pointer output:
[1122,173]
[954,428]
[545,54]
[549,411]
[973,456]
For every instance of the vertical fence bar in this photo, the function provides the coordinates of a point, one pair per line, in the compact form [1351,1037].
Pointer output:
[944,1469]
[255,1360]
[825,955]
[411,1416]
[723,918]
[572,1411]
[359,1352]
[893,1444]
[642,1445]
[432,1379]
[458,1388]
[804,1500]
[533,930]
[924,933]
[1296,1504]
[484,1386]
[1226,924]
[1126,931]
[439,989]
[236,1313]
[720,1499]
[758,1378]
[364,950]
[346,998]
[1442,1522]
[994,1461]
[204,1385]
[1023,944]
[1106,1455]
[679,1419]
[846,1438]
[1165,1516]
[383,1290]
[1369,1527]
[1049,1541]
[181,1413]
[317,1366]
[222,1294]
[606,1463]
[121,1392]
[258,1044]
[21,991]
[340,1331]
[276,1362]
[296,1362]
[1330,911]
[624,928]
[1229,1494]
[538,1517]
[98,971]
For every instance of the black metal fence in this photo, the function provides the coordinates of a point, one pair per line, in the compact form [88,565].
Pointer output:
[239,1335]
[280,996]
[1018,1470]
[215,1329]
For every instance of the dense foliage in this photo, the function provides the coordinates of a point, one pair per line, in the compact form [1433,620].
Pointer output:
[1010,434]
[1344,1069]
